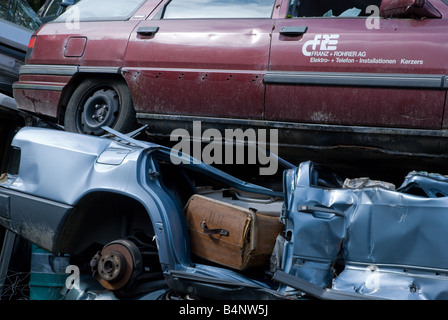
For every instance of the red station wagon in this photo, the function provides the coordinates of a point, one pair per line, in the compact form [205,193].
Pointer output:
[366,77]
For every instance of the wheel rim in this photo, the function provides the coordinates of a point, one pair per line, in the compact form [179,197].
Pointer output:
[99,108]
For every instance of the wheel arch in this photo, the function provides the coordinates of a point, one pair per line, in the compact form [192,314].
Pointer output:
[100,217]
[76,80]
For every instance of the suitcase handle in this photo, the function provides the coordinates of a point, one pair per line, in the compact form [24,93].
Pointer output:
[206,230]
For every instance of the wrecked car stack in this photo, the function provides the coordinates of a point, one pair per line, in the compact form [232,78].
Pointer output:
[117,206]
[133,219]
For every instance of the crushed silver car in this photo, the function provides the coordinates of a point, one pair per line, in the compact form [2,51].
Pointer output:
[368,238]
[136,226]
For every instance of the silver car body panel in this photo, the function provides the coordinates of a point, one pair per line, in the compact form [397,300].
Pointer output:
[389,243]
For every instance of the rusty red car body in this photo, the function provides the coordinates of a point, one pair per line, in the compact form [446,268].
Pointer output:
[328,82]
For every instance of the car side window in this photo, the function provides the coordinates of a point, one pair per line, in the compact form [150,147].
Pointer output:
[210,9]
[330,8]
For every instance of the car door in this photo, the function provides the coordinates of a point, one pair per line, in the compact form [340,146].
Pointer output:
[201,59]
[341,64]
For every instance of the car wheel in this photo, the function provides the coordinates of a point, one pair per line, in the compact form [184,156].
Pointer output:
[97,103]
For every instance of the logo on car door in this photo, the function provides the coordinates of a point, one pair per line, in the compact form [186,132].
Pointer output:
[320,45]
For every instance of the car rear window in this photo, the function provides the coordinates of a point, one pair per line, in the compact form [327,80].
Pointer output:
[93,10]
[205,9]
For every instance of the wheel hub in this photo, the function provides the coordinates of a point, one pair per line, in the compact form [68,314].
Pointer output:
[111,266]
[100,110]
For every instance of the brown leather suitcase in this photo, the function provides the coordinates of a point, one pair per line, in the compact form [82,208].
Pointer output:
[230,235]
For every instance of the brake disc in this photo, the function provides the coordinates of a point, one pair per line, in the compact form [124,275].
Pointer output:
[118,264]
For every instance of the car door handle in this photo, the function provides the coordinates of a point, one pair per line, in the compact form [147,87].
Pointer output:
[147,31]
[311,209]
[294,31]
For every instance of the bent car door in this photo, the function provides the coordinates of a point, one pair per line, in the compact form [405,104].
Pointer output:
[201,58]
[341,64]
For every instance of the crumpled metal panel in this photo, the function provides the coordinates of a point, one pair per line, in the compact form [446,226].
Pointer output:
[393,282]
[395,238]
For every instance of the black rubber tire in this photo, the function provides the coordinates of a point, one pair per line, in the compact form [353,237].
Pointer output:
[100,102]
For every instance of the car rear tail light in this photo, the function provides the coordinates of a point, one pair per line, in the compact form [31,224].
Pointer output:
[31,44]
